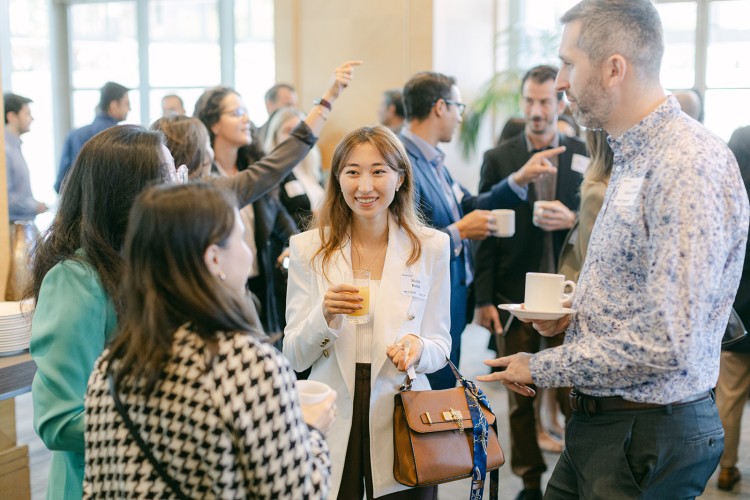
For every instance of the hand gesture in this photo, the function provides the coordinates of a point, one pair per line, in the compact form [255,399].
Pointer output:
[553,215]
[342,77]
[516,374]
[489,318]
[406,353]
[476,225]
[537,166]
[341,299]
[321,415]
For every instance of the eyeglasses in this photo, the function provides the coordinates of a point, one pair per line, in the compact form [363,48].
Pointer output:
[461,106]
[238,113]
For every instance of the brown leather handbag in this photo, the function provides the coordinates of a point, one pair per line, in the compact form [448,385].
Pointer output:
[435,437]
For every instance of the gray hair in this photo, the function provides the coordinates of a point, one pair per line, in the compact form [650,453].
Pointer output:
[631,28]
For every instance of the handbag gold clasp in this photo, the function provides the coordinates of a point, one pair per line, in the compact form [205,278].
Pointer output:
[455,416]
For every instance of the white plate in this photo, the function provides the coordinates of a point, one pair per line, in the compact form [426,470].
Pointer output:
[520,313]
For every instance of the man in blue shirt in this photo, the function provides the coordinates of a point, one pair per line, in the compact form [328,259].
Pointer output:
[113,108]
[21,203]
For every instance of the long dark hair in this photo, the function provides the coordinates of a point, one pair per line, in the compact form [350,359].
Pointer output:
[334,218]
[111,169]
[208,109]
[167,283]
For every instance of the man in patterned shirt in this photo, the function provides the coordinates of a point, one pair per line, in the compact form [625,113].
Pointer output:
[662,269]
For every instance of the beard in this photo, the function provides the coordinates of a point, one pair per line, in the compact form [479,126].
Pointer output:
[591,106]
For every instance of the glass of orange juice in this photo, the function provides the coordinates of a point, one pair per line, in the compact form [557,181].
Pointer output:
[361,279]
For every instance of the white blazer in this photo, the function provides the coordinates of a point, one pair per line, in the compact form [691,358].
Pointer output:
[308,341]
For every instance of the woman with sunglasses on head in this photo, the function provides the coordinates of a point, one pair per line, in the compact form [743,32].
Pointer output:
[209,405]
[368,222]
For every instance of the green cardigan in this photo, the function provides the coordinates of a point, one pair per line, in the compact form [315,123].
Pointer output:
[73,320]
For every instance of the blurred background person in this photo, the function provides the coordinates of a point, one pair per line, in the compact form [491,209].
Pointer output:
[691,103]
[301,192]
[734,370]
[172,105]
[502,263]
[368,222]
[22,206]
[189,346]
[391,110]
[113,107]
[281,95]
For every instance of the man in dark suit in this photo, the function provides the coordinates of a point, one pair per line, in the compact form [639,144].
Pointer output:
[502,263]
[432,103]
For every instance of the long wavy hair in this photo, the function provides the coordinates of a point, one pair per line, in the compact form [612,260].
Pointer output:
[110,171]
[167,283]
[334,218]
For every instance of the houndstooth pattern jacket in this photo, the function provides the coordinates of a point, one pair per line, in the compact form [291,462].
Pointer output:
[233,429]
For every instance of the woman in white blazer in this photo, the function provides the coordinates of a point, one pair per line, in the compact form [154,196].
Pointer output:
[368,221]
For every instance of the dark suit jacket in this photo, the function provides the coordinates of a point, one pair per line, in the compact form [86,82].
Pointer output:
[431,201]
[502,263]
[273,228]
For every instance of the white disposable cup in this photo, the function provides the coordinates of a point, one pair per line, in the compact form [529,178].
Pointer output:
[505,223]
[546,292]
[312,392]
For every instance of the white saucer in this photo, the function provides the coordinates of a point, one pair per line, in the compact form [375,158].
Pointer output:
[516,310]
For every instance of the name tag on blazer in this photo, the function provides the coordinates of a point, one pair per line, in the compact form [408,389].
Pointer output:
[413,285]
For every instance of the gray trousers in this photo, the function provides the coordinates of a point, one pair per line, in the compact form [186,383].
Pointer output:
[645,454]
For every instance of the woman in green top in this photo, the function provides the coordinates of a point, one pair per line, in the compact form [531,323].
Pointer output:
[77,268]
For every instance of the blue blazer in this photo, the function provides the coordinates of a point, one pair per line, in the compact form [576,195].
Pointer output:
[436,211]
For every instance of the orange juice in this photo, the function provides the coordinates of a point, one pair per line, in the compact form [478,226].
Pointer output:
[362,315]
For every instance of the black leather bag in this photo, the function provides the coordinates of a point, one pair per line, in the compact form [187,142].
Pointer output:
[735,337]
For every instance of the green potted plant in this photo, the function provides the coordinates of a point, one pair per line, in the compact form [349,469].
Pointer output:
[501,96]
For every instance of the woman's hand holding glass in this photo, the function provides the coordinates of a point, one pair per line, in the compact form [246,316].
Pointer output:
[341,299]
[406,353]
[321,415]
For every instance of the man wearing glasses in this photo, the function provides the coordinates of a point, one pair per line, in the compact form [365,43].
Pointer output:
[433,108]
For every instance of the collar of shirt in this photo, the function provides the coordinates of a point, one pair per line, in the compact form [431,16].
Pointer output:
[12,139]
[630,144]
[430,152]
[531,149]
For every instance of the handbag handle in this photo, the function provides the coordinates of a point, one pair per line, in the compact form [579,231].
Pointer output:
[171,483]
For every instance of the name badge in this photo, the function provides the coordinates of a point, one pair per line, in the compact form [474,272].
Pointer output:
[628,191]
[458,192]
[579,163]
[294,188]
[414,286]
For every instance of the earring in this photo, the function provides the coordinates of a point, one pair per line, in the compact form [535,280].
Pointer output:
[397,188]
[222,276]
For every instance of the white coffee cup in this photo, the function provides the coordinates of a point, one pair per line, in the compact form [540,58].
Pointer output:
[546,292]
[505,223]
[312,392]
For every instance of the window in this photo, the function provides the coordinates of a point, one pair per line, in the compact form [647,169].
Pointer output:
[710,52]
[30,77]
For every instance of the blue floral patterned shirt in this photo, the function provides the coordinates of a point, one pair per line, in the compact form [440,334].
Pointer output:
[662,268]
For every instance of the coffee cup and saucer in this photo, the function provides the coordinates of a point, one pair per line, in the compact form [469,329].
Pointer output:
[544,298]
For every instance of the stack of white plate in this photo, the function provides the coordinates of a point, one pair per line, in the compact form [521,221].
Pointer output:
[15,328]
